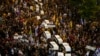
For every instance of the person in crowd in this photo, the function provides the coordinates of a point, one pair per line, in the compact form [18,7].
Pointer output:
[19,16]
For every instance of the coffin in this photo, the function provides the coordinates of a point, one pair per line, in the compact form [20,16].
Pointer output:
[18,36]
[47,24]
[47,34]
[67,47]
[58,39]
[54,46]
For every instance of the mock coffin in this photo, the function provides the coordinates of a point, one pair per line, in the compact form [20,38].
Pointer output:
[54,46]
[67,47]
[47,24]
[58,39]
[16,36]
[47,34]
[44,24]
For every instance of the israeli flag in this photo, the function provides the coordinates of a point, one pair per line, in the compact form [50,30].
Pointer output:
[82,21]
[97,52]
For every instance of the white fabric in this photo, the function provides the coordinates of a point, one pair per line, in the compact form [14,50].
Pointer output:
[51,22]
[90,48]
[51,25]
[27,41]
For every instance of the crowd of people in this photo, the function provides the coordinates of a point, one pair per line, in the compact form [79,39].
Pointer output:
[21,17]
